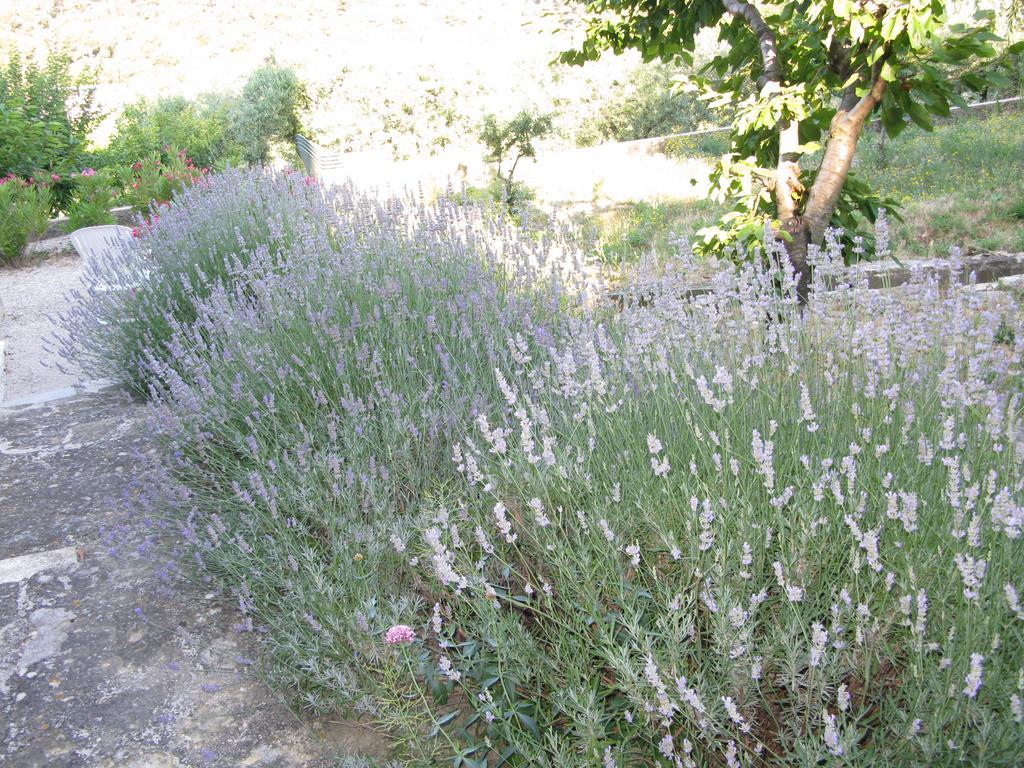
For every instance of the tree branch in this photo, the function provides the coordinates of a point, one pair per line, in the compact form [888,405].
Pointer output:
[862,110]
[787,172]
[766,39]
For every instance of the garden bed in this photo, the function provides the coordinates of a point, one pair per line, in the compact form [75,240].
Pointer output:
[456,494]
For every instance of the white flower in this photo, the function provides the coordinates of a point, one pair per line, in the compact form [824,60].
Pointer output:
[1013,600]
[634,554]
[842,697]
[819,639]
[974,677]
[972,572]
[538,510]
[831,735]
[504,524]
[445,665]
[734,713]
[660,468]
[666,747]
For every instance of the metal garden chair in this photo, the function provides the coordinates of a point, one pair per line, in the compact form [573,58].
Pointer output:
[317,160]
[100,249]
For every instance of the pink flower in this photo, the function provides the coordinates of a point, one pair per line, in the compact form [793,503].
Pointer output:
[400,634]
[54,177]
[88,171]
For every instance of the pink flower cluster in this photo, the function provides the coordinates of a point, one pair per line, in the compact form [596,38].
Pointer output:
[400,634]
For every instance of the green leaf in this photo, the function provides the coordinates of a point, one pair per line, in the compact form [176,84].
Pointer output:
[443,721]
[892,25]
[529,723]
[919,115]
[507,753]
[892,121]
[916,31]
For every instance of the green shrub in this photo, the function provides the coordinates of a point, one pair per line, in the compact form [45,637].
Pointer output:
[93,197]
[692,539]
[26,144]
[154,180]
[496,191]
[194,245]
[645,105]
[201,125]
[217,129]
[46,114]
[636,234]
[24,213]
[626,233]
[268,113]
[512,527]
[710,145]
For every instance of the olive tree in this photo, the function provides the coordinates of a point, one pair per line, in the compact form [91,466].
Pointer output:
[512,140]
[805,77]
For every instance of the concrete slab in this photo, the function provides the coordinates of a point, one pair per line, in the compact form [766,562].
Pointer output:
[16,569]
[108,655]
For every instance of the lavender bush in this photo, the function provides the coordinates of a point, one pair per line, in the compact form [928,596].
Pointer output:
[697,538]
[202,239]
[507,524]
[307,403]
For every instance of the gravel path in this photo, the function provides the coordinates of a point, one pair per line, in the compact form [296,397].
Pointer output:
[109,659]
[28,295]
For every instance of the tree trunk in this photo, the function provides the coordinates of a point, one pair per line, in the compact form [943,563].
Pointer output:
[796,249]
[788,190]
[809,228]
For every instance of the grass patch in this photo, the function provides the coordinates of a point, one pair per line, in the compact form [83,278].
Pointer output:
[962,184]
[624,234]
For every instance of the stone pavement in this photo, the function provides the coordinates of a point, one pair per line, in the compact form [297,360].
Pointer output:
[106,658]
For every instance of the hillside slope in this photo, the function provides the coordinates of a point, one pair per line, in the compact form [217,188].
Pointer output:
[418,74]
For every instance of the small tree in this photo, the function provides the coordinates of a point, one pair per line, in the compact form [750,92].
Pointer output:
[268,111]
[805,76]
[512,140]
[644,105]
